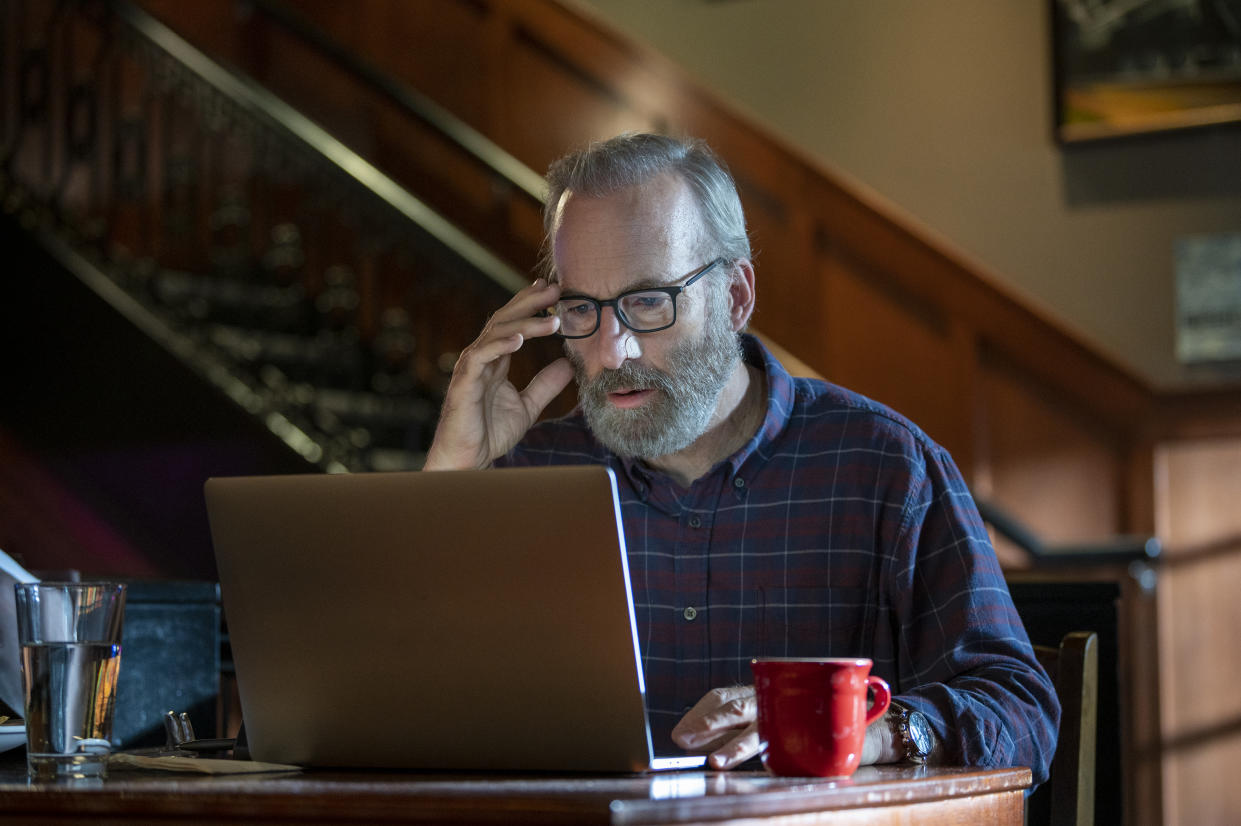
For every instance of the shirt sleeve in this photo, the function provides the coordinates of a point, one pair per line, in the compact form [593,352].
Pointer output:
[964,658]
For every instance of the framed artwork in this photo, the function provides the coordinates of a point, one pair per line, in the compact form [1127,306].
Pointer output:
[1125,67]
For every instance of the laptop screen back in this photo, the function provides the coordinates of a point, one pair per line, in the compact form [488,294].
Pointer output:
[452,620]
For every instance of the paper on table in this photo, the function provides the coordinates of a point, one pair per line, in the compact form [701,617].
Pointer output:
[199,765]
[10,652]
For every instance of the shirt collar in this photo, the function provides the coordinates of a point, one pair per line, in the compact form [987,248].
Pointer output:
[780,392]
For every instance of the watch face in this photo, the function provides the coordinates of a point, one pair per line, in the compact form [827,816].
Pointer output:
[920,733]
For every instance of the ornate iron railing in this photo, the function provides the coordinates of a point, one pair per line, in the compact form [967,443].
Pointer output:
[273,260]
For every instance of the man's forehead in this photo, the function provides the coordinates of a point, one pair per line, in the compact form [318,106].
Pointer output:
[643,233]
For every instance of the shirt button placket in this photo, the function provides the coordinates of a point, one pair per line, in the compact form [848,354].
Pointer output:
[691,613]
[693,642]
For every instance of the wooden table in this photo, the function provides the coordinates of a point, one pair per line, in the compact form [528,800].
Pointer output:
[879,794]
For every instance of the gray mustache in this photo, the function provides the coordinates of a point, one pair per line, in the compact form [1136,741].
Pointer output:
[627,377]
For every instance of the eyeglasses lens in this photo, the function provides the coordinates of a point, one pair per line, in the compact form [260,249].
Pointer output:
[640,311]
[648,311]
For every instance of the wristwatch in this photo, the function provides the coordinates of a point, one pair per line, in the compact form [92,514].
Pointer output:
[912,731]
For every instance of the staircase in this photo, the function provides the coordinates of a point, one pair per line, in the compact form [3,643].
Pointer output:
[199,275]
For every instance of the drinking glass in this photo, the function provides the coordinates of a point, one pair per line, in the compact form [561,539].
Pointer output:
[70,638]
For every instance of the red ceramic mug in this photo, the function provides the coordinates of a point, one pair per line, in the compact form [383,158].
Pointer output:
[812,714]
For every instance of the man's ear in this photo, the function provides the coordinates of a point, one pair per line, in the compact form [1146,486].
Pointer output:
[741,293]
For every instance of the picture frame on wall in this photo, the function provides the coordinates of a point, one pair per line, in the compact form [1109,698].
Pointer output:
[1127,67]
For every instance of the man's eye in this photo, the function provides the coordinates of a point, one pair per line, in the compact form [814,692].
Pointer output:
[647,301]
[582,308]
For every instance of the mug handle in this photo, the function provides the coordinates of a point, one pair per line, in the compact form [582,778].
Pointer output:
[883,698]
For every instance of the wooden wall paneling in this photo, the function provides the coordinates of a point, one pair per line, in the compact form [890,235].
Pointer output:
[550,105]
[494,36]
[1199,785]
[524,222]
[430,45]
[208,24]
[895,350]
[1203,476]
[1140,487]
[1050,465]
[927,267]
[973,454]
[643,77]
[1199,618]
[1142,779]
[1201,669]
[433,45]
[314,86]
[1203,413]
[788,296]
[560,84]
[309,82]
[352,23]
[457,186]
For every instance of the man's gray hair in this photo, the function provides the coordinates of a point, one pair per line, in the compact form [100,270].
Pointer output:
[633,158]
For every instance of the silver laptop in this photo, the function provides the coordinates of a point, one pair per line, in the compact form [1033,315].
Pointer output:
[476,620]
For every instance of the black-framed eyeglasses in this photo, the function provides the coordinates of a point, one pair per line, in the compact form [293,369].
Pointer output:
[647,310]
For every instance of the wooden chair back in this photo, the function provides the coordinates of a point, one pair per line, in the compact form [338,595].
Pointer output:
[1074,668]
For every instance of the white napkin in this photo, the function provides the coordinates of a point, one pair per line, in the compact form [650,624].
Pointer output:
[10,652]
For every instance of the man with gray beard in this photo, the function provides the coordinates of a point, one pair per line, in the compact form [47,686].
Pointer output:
[764,515]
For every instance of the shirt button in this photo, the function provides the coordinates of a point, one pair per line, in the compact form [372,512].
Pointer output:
[739,483]
[695,522]
[690,613]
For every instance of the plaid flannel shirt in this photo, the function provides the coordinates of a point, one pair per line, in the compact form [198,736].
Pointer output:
[839,530]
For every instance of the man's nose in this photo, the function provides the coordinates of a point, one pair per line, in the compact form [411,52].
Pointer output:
[614,342]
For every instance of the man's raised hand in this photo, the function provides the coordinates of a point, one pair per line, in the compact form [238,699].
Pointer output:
[484,415]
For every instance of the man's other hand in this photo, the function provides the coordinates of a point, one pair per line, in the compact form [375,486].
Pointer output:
[723,725]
